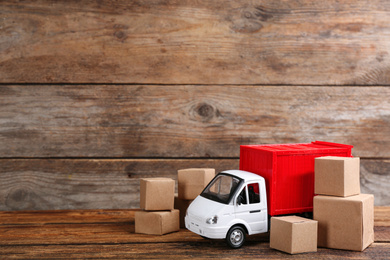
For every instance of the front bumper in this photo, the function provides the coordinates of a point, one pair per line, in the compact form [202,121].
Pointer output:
[206,230]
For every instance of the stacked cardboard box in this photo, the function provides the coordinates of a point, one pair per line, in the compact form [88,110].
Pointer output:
[345,217]
[158,215]
[182,205]
[191,183]
[293,235]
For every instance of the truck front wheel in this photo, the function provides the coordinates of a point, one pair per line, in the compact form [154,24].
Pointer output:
[235,238]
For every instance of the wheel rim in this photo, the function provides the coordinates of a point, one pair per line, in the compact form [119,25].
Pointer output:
[236,237]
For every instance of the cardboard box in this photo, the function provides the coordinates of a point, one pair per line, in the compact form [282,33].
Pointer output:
[157,193]
[157,222]
[292,234]
[345,223]
[191,182]
[182,206]
[337,176]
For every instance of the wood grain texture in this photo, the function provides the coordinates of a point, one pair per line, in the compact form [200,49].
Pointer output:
[110,234]
[182,250]
[196,42]
[107,216]
[154,86]
[382,216]
[44,184]
[187,121]
[93,216]
[375,179]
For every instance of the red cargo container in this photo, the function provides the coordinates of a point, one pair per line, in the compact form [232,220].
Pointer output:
[288,170]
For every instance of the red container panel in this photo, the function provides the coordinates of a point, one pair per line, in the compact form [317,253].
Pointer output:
[288,170]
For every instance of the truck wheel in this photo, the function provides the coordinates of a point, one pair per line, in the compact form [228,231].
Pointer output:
[235,238]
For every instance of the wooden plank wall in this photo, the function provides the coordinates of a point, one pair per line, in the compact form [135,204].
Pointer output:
[96,94]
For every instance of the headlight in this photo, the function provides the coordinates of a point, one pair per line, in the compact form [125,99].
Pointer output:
[212,220]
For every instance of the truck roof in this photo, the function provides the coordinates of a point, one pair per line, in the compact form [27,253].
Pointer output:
[300,148]
[247,176]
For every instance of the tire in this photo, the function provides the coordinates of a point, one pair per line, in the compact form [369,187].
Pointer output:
[235,238]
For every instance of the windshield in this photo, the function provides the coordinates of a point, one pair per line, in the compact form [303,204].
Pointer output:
[221,188]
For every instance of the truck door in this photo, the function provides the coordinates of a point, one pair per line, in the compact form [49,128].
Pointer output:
[251,208]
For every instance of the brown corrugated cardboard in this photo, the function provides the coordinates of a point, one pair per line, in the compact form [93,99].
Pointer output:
[157,222]
[182,206]
[157,193]
[191,182]
[293,235]
[337,176]
[345,223]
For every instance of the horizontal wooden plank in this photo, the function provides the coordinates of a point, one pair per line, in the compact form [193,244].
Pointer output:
[196,42]
[110,234]
[182,250]
[47,184]
[93,231]
[96,233]
[187,121]
[91,216]
[382,233]
[375,179]
[30,184]
[382,216]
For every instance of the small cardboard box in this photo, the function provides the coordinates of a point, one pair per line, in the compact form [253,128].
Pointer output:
[157,222]
[182,206]
[337,176]
[191,182]
[293,235]
[345,223]
[157,193]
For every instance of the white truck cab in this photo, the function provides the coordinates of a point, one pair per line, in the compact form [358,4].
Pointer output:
[232,205]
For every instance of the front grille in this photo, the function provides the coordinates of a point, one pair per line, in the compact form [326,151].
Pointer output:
[195,218]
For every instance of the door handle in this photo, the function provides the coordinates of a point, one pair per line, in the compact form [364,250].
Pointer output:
[255,211]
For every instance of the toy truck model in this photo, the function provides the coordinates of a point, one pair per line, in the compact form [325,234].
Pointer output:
[272,180]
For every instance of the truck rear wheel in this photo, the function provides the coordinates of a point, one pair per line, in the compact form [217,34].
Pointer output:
[235,238]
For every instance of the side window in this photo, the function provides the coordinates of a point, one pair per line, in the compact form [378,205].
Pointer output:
[254,193]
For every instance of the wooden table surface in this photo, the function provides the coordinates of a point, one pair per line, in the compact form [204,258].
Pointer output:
[110,234]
